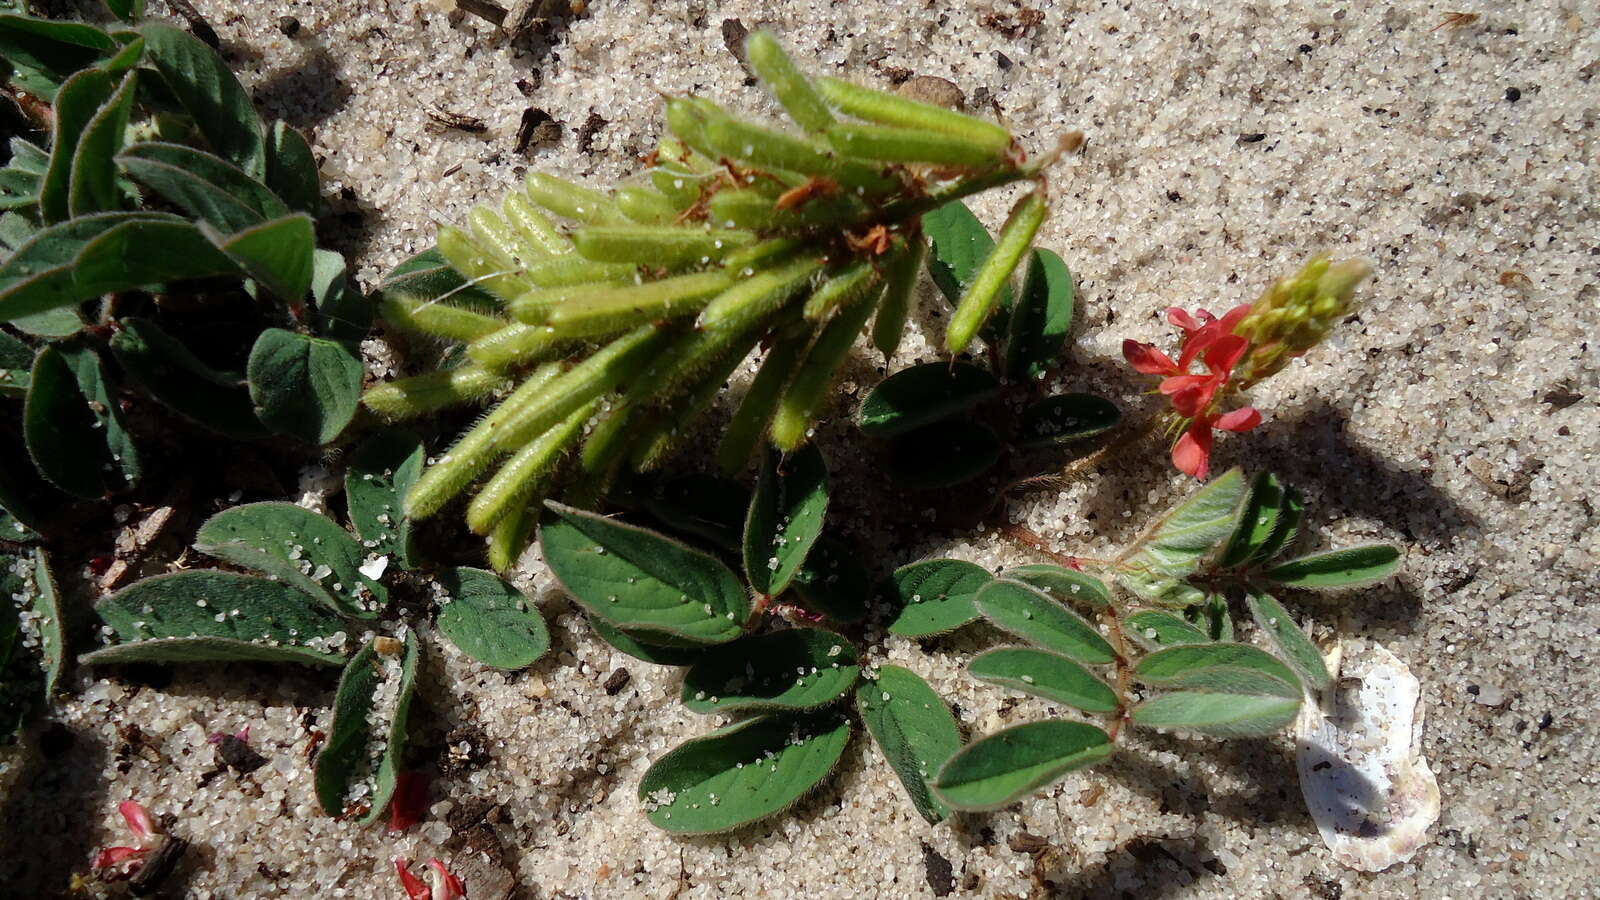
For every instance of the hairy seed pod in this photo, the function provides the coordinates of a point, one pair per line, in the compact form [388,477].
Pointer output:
[646,207]
[889,109]
[516,345]
[758,296]
[788,86]
[658,246]
[804,397]
[572,269]
[672,424]
[678,184]
[749,423]
[408,398]
[535,227]
[712,131]
[528,475]
[478,266]
[752,209]
[604,309]
[437,318]
[571,201]
[450,474]
[890,143]
[843,287]
[983,293]
[889,324]
[756,256]
[607,442]
[507,244]
[512,535]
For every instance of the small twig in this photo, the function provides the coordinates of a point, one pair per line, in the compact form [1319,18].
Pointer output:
[197,23]
[488,10]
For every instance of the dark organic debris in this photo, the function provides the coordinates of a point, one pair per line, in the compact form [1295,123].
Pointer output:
[590,127]
[457,121]
[538,129]
[617,681]
[941,877]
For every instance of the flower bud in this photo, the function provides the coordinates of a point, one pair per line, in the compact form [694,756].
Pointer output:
[1296,313]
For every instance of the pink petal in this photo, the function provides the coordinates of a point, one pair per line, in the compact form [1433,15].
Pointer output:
[1234,316]
[1242,419]
[112,856]
[1225,353]
[1196,342]
[138,819]
[1147,359]
[445,886]
[1181,318]
[415,889]
[1192,453]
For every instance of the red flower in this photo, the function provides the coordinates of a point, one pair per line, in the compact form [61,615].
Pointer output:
[125,862]
[1194,396]
[445,885]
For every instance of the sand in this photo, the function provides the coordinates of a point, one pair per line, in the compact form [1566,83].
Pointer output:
[1454,415]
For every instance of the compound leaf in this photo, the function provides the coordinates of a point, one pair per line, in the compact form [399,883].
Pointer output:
[201,603]
[1219,713]
[1064,584]
[380,472]
[1183,538]
[1292,643]
[298,547]
[1033,616]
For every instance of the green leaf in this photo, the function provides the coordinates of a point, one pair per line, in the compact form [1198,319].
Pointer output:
[1180,542]
[292,169]
[643,582]
[1350,567]
[32,586]
[204,650]
[277,253]
[343,313]
[1154,629]
[1064,584]
[143,252]
[303,386]
[1162,591]
[1033,616]
[126,10]
[1212,617]
[916,396]
[915,731]
[1257,523]
[266,614]
[80,97]
[936,596]
[19,521]
[1065,418]
[834,582]
[357,766]
[19,187]
[203,184]
[92,176]
[1041,318]
[785,517]
[743,773]
[299,548]
[215,100]
[106,408]
[959,245]
[380,472]
[942,454]
[428,276]
[1190,665]
[1219,713]
[65,437]
[489,620]
[16,366]
[655,654]
[1285,530]
[1046,675]
[165,368]
[796,669]
[54,50]
[1292,643]
[1002,767]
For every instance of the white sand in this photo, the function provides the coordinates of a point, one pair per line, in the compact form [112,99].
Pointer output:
[1384,138]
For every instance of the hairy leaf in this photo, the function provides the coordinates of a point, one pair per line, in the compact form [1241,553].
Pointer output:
[298,547]
[489,620]
[743,773]
[358,763]
[166,369]
[1033,616]
[656,654]
[701,506]
[936,596]
[292,169]
[913,397]
[376,479]
[1218,713]
[914,729]
[343,313]
[303,386]
[208,603]
[80,97]
[1046,675]
[53,50]
[1257,523]
[203,184]
[1189,664]
[1065,418]
[92,179]
[1155,628]
[1183,538]
[72,427]
[796,669]
[1000,768]
[215,100]
[278,253]
[1292,643]
[959,245]
[1284,531]
[785,517]
[1064,584]
[1041,318]
[644,583]
[834,582]
[428,276]
[204,650]
[1350,567]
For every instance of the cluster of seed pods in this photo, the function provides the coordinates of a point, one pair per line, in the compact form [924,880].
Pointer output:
[622,315]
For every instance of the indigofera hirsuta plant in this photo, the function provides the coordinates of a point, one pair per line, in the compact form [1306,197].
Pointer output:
[613,331]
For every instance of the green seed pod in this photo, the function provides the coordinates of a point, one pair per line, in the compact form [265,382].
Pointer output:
[753,209]
[418,395]
[607,441]
[535,227]
[806,393]
[758,296]
[746,261]
[678,184]
[889,325]
[983,293]
[718,134]
[511,536]
[788,86]
[645,206]
[888,109]
[572,269]
[516,345]
[605,309]
[478,266]
[749,422]
[567,199]
[508,245]
[845,286]
[437,318]
[889,143]
[447,477]
[658,246]
[672,424]
[528,476]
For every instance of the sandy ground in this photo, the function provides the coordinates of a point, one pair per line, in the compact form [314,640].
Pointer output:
[1455,416]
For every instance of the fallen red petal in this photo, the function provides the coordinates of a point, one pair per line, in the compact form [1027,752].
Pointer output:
[446,886]
[415,889]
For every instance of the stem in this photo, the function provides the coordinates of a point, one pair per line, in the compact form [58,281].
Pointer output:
[1078,468]
[1119,644]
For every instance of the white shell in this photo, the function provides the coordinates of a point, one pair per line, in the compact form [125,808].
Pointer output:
[1360,758]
